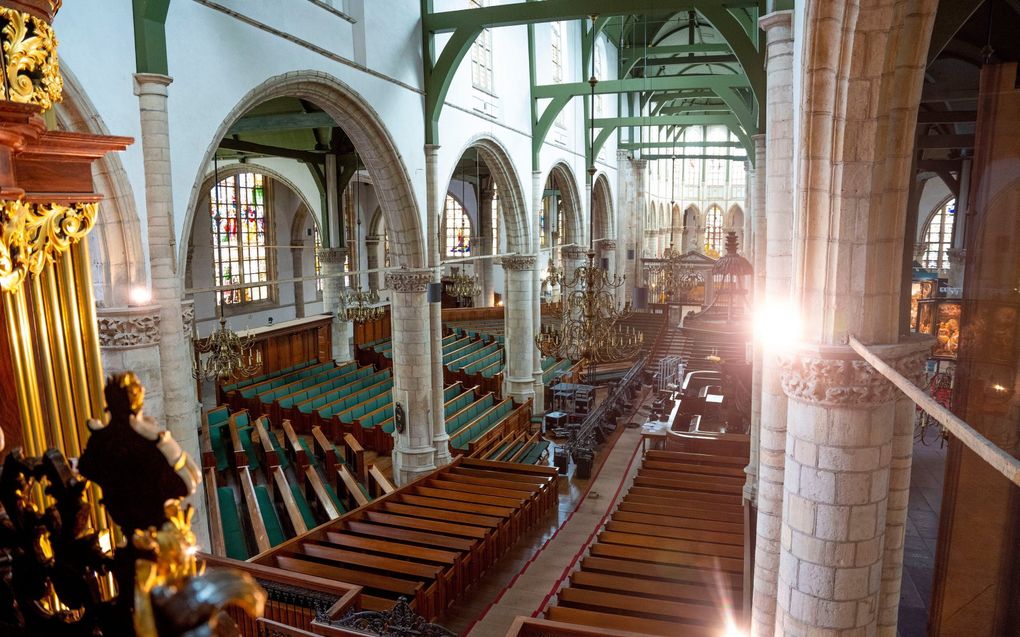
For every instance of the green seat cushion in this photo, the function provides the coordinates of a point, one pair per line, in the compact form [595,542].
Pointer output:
[311,456]
[269,517]
[302,505]
[249,449]
[233,538]
[216,439]
[332,496]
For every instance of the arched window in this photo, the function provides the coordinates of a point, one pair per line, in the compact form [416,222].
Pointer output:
[938,236]
[458,229]
[481,55]
[714,229]
[240,216]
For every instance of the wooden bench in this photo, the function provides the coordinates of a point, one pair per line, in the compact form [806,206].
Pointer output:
[354,456]
[240,457]
[295,448]
[264,447]
[258,526]
[324,450]
[216,540]
[315,487]
[378,485]
[283,493]
[348,489]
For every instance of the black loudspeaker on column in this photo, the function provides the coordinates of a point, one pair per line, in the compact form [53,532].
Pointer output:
[435,292]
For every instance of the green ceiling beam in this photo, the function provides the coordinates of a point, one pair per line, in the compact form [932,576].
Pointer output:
[281,122]
[685,156]
[150,35]
[517,13]
[640,145]
[667,120]
[632,52]
[715,83]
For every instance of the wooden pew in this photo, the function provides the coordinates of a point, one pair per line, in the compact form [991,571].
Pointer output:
[218,544]
[283,493]
[208,456]
[378,485]
[295,448]
[240,457]
[348,490]
[354,456]
[313,484]
[258,526]
[324,450]
[263,445]
[372,582]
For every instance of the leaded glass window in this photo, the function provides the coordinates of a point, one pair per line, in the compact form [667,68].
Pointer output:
[938,236]
[481,56]
[458,229]
[240,221]
[714,229]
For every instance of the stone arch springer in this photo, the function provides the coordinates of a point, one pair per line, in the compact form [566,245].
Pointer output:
[378,152]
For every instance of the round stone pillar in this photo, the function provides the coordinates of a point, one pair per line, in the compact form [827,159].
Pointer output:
[841,419]
[331,267]
[755,240]
[413,451]
[778,250]
[518,380]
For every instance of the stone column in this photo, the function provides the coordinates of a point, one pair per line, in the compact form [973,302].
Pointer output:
[435,194]
[483,246]
[896,516]
[413,451]
[331,267]
[607,250]
[373,243]
[841,424]
[624,222]
[538,386]
[778,170]
[520,334]
[180,404]
[639,211]
[755,243]
[573,258]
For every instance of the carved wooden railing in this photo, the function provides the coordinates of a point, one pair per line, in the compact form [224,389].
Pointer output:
[294,600]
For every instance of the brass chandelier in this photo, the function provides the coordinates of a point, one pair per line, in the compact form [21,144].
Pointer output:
[588,327]
[464,286]
[232,356]
[359,306]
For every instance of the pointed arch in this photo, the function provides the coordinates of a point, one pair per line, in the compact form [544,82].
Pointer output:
[351,112]
[603,213]
[573,213]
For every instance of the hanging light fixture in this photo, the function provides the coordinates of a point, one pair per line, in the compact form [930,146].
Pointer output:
[588,329]
[464,286]
[360,306]
[231,356]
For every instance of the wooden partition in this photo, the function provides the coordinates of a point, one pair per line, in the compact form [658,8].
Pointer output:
[288,344]
[373,330]
[472,314]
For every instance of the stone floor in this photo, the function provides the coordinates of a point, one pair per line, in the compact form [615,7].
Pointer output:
[926,480]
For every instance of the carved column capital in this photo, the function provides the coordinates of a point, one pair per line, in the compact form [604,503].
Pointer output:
[607,245]
[575,253]
[518,262]
[332,256]
[128,327]
[835,376]
[407,280]
[188,316]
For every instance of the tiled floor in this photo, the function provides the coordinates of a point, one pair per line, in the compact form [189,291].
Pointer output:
[926,481]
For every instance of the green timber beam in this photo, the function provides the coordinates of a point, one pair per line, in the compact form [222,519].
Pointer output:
[608,124]
[714,83]
[281,122]
[633,52]
[685,156]
[465,25]
[642,145]
[517,13]
[150,35]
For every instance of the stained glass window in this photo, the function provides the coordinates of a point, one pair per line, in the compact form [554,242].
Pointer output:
[481,55]
[240,220]
[458,229]
[938,236]
[714,229]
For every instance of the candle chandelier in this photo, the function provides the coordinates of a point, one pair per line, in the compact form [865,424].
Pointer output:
[359,306]
[231,356]
[588,324]
[464,286]
[553,276]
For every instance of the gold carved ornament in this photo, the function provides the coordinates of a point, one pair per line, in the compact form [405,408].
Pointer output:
[30,60]
[32,235]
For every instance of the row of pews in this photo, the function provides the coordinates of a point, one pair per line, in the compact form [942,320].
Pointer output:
[265,484]
[428,541]
[671,559]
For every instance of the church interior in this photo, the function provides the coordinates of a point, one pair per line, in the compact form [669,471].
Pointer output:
[523,318]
